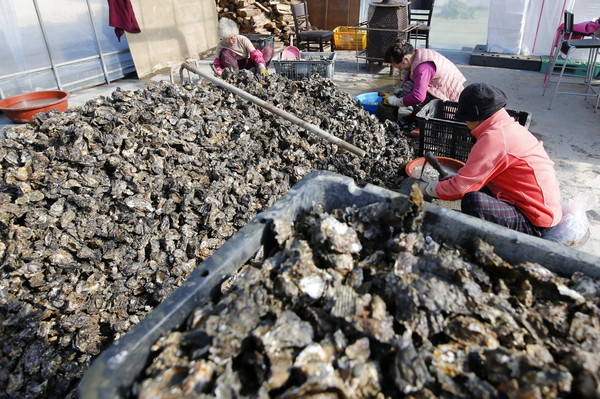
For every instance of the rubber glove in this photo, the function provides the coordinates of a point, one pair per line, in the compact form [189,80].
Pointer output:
[391,99]
[262,69]
[428,188]
[218,71]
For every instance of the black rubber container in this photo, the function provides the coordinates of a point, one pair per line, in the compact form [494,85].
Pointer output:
[114,371]
[387,112]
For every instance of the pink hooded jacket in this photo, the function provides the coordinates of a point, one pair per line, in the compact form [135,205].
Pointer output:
[514,166]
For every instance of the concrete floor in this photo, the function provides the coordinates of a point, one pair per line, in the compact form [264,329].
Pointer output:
[570,131]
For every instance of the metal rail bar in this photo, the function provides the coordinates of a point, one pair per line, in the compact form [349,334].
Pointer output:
[97,42]
[79,60]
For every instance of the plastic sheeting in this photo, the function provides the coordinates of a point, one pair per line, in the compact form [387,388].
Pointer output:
[13,42]
[58,44]
[364,10]
[529,26]
[543,18]
[506,26]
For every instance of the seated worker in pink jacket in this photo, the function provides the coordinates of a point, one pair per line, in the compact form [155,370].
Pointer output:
[429,75]
[508,178]
[238,52]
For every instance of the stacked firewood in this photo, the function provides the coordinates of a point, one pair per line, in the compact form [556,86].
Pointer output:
[273,17]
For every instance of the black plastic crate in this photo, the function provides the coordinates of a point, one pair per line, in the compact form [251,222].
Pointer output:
[260,41]
[443,135]
[114,372]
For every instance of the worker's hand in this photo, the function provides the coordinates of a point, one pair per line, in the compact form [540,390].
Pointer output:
[428,189]
[391,99]
[262,69]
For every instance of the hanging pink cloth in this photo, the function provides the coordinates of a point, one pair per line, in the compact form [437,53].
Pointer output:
[580,30]
[122,18]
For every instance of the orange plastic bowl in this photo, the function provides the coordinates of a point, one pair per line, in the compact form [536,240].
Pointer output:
[450,164]
[22,108]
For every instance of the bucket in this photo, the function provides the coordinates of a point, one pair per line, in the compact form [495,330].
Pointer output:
[23,107]
[413,168]
[369,101]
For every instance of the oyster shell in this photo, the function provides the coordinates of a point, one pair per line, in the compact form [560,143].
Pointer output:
[106,208]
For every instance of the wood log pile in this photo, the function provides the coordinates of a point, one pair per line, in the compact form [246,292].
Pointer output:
[272,17]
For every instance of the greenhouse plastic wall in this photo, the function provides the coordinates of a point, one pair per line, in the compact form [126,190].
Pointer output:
[58,44]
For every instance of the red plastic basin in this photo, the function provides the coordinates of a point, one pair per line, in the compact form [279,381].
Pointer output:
[450,164]
[22,108]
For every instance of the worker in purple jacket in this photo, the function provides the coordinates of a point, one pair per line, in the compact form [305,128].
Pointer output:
[430,75]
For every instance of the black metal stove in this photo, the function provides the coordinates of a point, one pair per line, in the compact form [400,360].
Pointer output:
[387,22]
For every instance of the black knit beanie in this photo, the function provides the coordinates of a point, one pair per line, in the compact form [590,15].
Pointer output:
[479,101]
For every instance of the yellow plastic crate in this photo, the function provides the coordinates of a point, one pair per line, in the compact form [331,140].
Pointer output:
[346,38]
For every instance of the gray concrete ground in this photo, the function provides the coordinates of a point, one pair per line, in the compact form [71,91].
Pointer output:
[570,131]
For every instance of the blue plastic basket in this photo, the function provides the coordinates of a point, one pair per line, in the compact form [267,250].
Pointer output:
[369,101]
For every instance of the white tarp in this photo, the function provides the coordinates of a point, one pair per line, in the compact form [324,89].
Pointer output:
[529,26]
[542,21]
[506,25]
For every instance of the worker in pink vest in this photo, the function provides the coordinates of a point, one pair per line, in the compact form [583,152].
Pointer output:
[237,52]
[508,178]
[430,75]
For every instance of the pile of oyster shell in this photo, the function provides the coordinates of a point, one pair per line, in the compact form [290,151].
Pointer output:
[106,208]
[357,303]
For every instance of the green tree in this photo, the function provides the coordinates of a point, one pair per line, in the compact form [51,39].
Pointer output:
[457,9]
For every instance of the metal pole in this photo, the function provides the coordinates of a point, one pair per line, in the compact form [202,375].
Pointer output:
[271,108]
[39,16]
[97,42]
